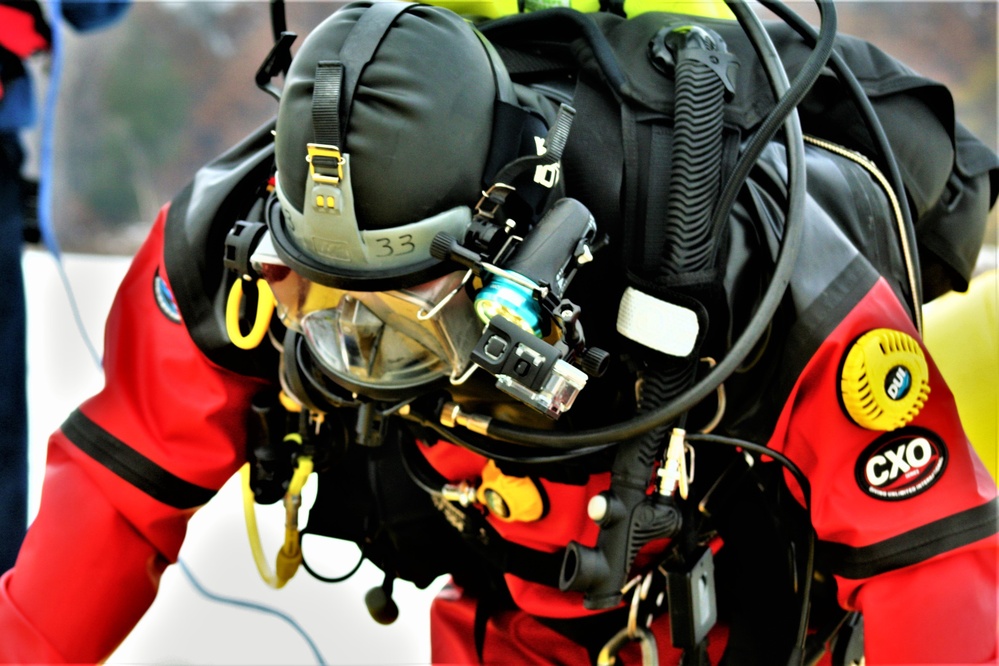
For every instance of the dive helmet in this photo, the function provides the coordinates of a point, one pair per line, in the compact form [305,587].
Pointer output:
[385,132]
[393,120]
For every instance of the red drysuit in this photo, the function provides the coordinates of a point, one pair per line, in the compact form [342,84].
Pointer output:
[126,473]
[906,519]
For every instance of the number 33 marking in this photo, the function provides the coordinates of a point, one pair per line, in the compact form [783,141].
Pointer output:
[399,245]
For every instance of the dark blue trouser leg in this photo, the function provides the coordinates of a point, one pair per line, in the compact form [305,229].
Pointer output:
[13,401]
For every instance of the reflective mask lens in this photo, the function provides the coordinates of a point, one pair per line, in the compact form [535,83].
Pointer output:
[352,339]
[382,340]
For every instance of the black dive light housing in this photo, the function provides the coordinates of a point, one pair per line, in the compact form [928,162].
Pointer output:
[554,249]
[522,295]
[547,257]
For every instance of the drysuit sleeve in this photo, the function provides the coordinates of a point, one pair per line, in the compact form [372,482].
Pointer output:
[906,516]
[124,474]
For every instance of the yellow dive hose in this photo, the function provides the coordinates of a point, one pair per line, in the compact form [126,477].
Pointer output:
[289,557]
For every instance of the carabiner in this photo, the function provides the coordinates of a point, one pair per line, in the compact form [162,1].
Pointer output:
[650,651]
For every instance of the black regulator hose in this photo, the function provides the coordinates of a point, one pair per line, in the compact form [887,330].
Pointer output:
[696,153]
[752,26]
[785,102]
[783,112]
[633,517]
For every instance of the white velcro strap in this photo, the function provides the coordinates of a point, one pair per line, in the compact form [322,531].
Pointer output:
[657,324]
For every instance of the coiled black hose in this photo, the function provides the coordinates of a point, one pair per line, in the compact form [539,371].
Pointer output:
[794,225]
[695,172]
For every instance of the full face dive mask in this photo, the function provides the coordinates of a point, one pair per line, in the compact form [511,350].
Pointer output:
[376,341]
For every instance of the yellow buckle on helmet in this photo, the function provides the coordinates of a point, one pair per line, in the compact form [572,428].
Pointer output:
[324,151]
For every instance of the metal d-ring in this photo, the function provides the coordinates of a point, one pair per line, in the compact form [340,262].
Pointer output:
[632,631]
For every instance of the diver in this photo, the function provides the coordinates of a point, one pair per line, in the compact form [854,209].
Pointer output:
[580,318]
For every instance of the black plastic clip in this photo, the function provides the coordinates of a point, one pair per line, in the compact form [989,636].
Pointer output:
[240,242]
[276,62]
[693,608]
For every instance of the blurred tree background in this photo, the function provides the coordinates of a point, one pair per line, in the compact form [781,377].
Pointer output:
[147,102]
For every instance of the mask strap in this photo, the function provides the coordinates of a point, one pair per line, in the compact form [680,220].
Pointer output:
[544,165]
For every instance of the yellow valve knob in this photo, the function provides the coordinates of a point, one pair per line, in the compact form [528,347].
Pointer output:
[885,380]
[510,498]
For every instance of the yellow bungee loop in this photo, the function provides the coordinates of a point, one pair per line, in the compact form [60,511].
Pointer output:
[261,321]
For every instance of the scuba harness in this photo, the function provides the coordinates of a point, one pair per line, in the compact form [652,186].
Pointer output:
[522,283]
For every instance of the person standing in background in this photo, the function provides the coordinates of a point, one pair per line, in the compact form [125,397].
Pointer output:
[24,31]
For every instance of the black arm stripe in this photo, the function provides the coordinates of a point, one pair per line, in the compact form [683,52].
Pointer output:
[915,546]
[132,466]
[534,565]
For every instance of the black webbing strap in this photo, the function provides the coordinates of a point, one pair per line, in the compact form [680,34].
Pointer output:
[629,188]
[914,546]
[132,466]
[509,557]
[529,564]
[558,135]
[336,80]
[326,104]
[657,201]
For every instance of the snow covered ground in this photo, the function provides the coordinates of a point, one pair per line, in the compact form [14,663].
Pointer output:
[184,625]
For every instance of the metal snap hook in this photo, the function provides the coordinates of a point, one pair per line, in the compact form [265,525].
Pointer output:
[632,631]
[650,651]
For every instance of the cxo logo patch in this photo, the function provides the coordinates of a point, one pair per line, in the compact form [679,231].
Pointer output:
[901,464]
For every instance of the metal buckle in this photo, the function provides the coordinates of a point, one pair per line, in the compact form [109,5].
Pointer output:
[324,151]
[502,190]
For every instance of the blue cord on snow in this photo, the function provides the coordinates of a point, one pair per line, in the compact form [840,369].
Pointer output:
[256,607]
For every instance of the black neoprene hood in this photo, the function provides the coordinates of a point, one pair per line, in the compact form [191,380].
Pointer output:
[417,125]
